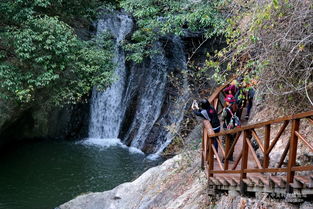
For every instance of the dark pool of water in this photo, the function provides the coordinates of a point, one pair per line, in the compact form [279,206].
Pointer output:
[45,174]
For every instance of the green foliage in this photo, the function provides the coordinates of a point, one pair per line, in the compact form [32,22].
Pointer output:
[270,41]
[43,60]
[17,11]
[158,18]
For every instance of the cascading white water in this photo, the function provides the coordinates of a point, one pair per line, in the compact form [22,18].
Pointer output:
[151,100]
[107,107]
[132,106]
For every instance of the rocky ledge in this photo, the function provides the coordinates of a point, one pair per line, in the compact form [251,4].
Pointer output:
[177,183]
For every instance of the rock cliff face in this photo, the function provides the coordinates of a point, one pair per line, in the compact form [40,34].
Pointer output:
[33,122]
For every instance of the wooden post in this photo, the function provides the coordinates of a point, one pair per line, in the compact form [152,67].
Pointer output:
[204,145]
[244,162]
[211,157]
[292,153]
[267,136]
[215,105]
[227,148]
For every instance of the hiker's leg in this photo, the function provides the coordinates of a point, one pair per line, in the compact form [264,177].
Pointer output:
[250,103]
[215,144]
[239,111]
[215,139]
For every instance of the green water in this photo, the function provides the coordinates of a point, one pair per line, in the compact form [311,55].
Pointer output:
[46,174]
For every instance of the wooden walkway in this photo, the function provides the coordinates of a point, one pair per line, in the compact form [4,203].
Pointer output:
[250,172]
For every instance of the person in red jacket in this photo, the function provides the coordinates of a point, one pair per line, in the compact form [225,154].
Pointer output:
[232,88]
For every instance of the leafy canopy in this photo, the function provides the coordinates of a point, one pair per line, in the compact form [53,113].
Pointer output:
[42,59]
[156,18]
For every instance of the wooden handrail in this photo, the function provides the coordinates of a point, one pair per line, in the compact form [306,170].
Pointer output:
[262,124]
[266,144]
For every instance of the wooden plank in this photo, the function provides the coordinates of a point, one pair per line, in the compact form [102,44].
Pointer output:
[292,153]
[217,157]
[254,154]
[244,160]
[267,135]
[215,103]
[228,171]
[304,140]
[304,180]
[265,170]
[227,147]
[231,181]
[255,180]
[204,141]
[303,168]
[217,92]
[278,181]
[258,140]
[281,131]
[222,180]
[281,161]
[237,161]
[233,145]
[248,182]
[297,184]
[265,180]
[211,158]
[236,179]
[311,182]
[220,145]
[259,125]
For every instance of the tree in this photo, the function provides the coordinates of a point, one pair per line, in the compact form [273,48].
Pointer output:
[43,60]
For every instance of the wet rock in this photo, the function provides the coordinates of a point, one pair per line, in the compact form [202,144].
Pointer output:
[177,183]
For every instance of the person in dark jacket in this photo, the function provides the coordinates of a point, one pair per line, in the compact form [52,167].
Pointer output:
[207,112]
[228,112]
[251,93]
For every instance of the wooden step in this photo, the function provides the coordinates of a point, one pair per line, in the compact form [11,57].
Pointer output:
[304,180]
[264,180]
[311,182]
[231,181]
[248,182]
[223,180]
[278,181]
[236,179]
[214,181]
[299,182]
[256,181]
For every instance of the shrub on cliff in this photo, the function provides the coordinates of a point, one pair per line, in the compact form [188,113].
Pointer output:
[271,41]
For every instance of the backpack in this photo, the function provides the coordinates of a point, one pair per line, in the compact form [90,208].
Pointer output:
[234,120]
[240,96]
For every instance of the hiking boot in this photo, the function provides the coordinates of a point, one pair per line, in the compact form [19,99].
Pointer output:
[230,159]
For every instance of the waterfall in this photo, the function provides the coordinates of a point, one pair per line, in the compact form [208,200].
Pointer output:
[136,108]
[107,108]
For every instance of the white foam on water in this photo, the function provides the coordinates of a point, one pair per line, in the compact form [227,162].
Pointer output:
[100,142]
[135,150]
[153,157]
[109,142]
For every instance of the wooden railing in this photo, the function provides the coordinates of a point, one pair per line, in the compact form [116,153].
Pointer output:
[217,98]
[259,134]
